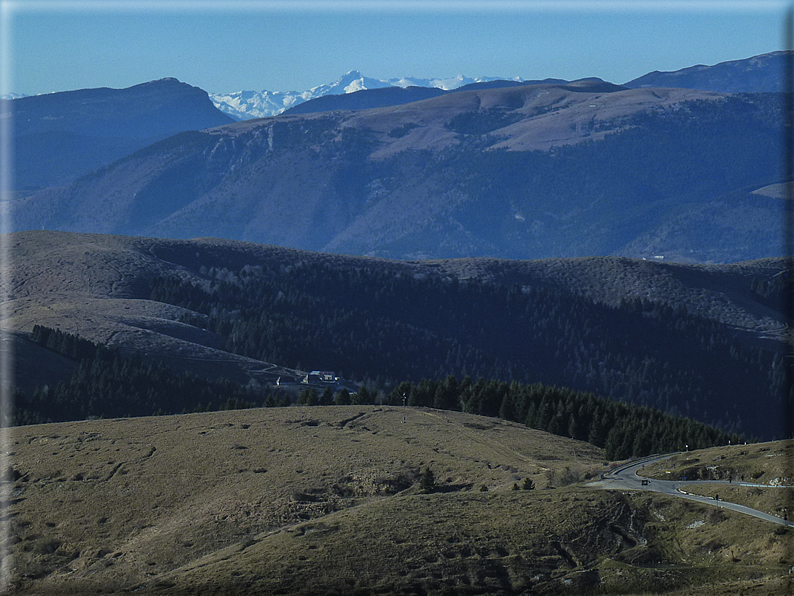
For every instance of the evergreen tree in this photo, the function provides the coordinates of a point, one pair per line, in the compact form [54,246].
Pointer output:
[342,398]
[363,397]
[327,397]
[428,481]
[308,397]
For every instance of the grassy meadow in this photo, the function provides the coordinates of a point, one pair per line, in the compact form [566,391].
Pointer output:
[327,500]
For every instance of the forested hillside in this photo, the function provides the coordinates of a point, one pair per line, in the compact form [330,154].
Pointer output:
[106,384]
[368,323]
[702,341]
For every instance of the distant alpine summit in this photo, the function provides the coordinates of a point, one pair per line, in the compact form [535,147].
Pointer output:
[245,105]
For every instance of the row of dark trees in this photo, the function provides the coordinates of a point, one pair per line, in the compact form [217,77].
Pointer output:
[623,430]
[328,397]
[68,344]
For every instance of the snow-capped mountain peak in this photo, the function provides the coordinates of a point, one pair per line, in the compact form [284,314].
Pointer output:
[349,83]
[244,105]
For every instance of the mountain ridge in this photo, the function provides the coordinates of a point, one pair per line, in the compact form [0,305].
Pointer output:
[59,136]
[416,180]
[761,73]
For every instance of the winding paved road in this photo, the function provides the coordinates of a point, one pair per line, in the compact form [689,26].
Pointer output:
[625,477]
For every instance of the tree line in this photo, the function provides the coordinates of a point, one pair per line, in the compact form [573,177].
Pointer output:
[622,430]
[105,384]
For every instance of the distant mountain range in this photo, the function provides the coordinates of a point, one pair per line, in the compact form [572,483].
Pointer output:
[528,169]
[244,105]
[532,171]
[762,73]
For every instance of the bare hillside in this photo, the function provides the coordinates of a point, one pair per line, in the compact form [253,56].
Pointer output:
[329,500]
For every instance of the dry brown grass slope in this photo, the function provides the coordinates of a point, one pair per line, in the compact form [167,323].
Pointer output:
[97,286]
[327,500]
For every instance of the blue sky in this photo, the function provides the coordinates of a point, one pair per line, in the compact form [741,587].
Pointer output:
[232,45]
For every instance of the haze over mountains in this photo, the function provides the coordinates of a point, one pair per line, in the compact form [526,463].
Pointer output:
[761,73]
[525,172]
[500,169]
[59,136]
[509,169]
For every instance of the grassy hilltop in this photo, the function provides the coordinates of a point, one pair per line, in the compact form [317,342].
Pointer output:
[327,500]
